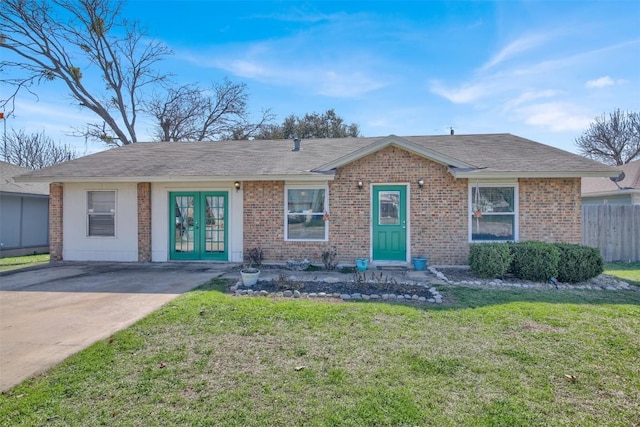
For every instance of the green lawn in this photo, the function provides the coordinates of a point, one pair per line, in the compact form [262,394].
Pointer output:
[486,358]
[624,270]
[14,263]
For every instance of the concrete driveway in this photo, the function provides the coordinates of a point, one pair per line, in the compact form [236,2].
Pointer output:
[50,313]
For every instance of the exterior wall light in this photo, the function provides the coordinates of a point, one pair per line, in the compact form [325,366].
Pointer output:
[237,185]
[360,184]
[421,182]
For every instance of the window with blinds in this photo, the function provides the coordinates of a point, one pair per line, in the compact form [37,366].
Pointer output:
[101,213]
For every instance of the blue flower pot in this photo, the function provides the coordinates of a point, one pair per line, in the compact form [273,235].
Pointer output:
[362,264]
[419,264]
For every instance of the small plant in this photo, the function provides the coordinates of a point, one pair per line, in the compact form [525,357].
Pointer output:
[376,282]
[284,283]
[298,265]
[359,278]
[254,258]
[329,259]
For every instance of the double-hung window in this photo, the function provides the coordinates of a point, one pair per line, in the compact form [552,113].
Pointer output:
[493,212]
[101,213]
[306,213]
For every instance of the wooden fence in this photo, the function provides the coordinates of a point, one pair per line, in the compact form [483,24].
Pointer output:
[614,229]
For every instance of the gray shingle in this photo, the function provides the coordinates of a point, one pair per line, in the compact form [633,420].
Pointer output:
[261,159]
[8,184]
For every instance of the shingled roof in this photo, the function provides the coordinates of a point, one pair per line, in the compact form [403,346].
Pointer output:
[8,184]
[488,156]
[605,186]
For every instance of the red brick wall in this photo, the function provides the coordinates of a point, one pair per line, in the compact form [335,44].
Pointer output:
[550,210]
[55,221]
[438,217]
[144,222]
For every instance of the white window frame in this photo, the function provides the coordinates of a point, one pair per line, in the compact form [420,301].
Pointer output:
[112,213]
[288,187]
[516,208]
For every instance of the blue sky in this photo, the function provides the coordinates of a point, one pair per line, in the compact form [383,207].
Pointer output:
[538,69]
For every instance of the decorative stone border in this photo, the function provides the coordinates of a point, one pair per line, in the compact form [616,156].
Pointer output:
[436,298]
[601,282]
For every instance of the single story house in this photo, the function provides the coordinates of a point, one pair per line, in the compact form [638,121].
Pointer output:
[384,198]
[623,189]
[24,214]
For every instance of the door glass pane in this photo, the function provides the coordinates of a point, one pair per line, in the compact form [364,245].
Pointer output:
[215,223]
[184,237]
[388,207]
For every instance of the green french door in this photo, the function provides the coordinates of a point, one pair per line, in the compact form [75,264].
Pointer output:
[198,226]
[389,223]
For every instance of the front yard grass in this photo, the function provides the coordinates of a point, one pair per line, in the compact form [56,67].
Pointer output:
[14,263]
[628,271]
[485,358]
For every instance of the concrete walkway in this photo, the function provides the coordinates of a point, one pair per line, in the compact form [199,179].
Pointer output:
[48,314]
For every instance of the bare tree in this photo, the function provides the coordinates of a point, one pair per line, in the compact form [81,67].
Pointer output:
[613,140]
[325,125]
[190,113]
[77,41]
[35,151]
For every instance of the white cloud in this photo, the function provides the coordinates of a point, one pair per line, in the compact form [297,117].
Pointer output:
[555,116]
[346,77]
[514,48]
[530,96]
[464,94]
[601,82]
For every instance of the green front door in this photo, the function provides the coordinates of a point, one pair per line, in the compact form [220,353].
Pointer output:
[197,225]
[389,223]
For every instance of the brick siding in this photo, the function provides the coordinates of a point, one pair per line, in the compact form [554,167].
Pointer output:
[55,221]
[144,222]
[438,217]
[550,210]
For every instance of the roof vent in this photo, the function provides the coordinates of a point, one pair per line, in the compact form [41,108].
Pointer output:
[452,131]
[296,145]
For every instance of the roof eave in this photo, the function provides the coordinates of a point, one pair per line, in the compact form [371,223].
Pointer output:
[23,194]
[619,192]
[492,174]
[277,177]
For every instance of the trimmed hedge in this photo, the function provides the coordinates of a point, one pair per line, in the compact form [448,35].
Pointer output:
[578,263]
[489,260]
[536,261]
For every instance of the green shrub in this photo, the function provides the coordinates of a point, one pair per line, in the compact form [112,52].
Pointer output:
[536,261]
[578,263]
[490,260]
